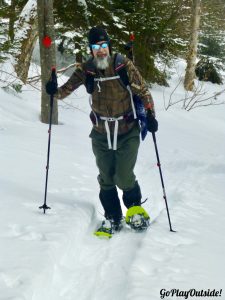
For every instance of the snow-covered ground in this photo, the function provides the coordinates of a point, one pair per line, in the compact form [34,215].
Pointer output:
[56,257]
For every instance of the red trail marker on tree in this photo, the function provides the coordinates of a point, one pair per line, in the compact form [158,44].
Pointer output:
[47,41]
[132,37]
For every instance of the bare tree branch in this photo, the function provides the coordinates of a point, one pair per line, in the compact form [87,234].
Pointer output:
[198,98]
[37,78]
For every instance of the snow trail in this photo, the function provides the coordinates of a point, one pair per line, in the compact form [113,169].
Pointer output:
[55,256]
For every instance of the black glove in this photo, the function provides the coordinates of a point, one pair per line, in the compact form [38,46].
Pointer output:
[51,87]
[152,123]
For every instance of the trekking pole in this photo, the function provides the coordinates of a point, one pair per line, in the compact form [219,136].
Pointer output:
[163,187]
[129,47]
[54,82]
[132,38]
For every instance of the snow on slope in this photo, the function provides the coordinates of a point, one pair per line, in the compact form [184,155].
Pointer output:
[55,256]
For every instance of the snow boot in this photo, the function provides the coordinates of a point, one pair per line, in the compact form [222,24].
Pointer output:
[133,196]
[137,218]
[108,228]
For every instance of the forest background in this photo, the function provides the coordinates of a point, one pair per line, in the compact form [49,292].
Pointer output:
[162,29]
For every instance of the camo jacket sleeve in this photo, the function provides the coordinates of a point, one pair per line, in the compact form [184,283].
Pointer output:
[75,80]
[139,86]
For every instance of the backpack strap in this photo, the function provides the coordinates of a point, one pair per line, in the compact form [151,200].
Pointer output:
[119,66]
[101,79]
[120,69]
[136,103]
[90,72]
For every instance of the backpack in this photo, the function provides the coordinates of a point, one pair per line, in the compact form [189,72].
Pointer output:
[122,76]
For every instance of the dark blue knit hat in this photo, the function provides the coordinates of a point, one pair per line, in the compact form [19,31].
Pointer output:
[97,34]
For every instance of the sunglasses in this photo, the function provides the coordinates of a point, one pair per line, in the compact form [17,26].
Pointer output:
[97,46]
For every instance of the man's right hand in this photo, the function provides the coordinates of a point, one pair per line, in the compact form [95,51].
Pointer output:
[51,87]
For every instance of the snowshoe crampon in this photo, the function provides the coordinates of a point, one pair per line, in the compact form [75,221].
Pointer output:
[137,218]
[108,228]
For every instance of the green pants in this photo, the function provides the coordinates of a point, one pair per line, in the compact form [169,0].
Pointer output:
[116,167]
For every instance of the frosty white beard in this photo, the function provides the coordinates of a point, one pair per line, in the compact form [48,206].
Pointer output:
[102,62]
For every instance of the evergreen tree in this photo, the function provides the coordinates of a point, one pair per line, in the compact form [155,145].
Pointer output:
[9,14]
[159,28]
[212,34]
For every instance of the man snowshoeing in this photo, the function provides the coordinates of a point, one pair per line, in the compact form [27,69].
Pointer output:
[116,132]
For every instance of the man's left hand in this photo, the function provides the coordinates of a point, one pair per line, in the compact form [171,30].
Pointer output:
[152,123]
[51,87]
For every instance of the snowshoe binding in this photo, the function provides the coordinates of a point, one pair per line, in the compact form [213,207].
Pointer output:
[108,228]
[137,218]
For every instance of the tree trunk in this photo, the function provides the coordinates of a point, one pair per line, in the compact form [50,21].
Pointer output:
[12,19]
[47,56]
[192,52]
[26,27]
